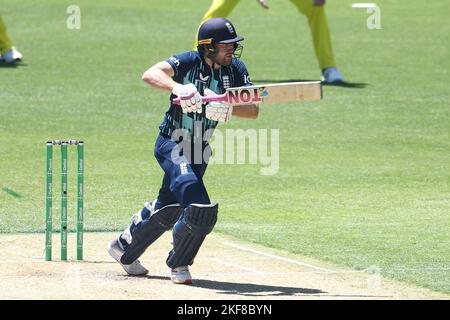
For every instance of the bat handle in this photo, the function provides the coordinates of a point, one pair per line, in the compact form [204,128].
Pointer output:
[205,99]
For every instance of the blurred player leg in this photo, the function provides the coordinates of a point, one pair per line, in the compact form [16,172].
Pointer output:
[7,51]
[320,33]
[5,41]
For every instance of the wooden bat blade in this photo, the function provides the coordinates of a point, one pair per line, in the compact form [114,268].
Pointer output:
[268,93]
[275,93]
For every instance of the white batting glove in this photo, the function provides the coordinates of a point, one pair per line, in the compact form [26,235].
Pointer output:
[217,111]
[190,99]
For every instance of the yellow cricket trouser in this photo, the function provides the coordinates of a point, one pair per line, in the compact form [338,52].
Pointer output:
[317,21]
[320,32]
[5,41]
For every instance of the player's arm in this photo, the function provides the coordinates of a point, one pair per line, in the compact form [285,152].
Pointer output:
[160,76]
[247,112]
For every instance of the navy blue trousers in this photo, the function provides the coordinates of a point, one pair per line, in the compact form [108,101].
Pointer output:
[182,181]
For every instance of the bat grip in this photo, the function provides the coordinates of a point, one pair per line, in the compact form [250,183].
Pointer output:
[205,99]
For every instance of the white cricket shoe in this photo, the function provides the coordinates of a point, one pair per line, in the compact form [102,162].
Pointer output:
[332,75]
[11,55]
[181,275]
[133,269]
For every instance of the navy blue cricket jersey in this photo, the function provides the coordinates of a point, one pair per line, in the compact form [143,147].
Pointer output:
[190,67]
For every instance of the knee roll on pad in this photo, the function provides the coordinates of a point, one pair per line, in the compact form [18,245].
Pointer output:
[148,230]
[188,234]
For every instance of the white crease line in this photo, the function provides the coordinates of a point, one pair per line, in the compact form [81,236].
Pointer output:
[21,262]
[67,263]
[279,258]
[364,5]
[237,266]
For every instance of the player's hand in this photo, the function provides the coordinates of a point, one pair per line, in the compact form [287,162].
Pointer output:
[318,3]
[263,3]
[190,99]
[217,111]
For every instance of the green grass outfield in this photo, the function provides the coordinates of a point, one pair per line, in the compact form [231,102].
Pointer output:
[364,174]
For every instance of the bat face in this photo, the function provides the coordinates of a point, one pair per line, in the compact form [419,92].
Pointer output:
[275,93]
[268,93]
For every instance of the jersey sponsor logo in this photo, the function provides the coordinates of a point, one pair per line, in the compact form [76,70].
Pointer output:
[175,61]
[203,78]
[246,79]
[263,92]
[246,96]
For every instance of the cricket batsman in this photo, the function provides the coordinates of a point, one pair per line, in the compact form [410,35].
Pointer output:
[183,203]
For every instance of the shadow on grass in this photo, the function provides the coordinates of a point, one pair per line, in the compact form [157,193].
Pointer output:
[13,193]
[14,64]
[245,289]
[343,84]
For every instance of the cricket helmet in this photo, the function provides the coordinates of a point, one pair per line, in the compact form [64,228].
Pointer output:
[217,30]
[214,31]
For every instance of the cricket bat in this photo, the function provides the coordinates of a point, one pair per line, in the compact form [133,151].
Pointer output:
[267,93]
